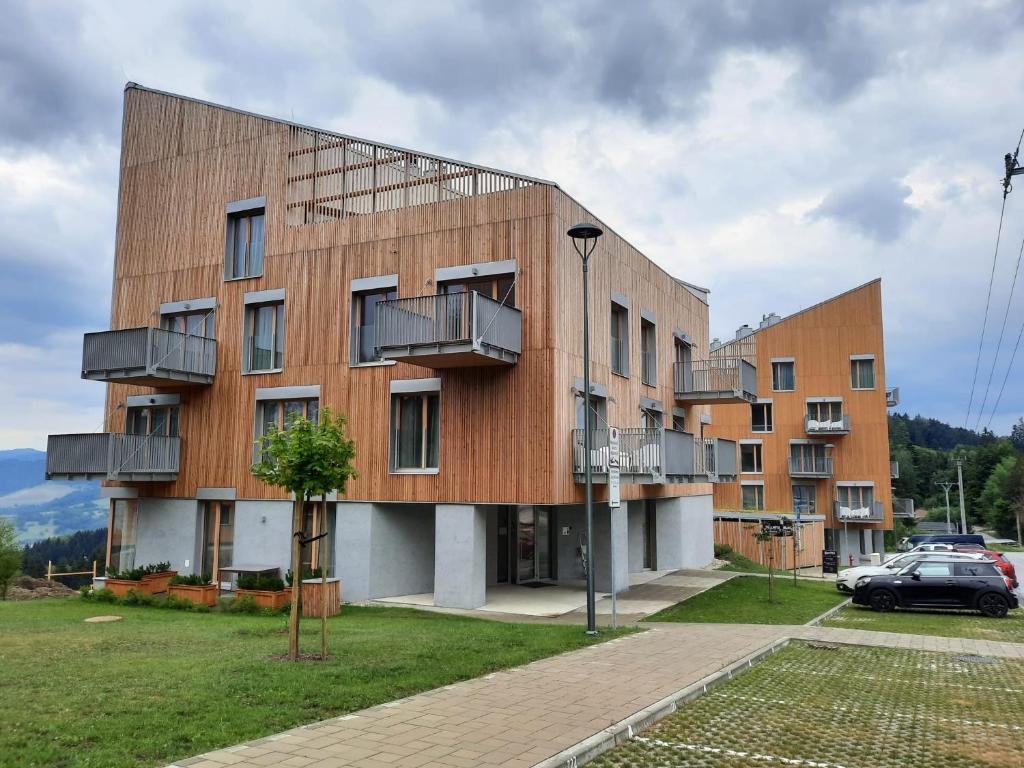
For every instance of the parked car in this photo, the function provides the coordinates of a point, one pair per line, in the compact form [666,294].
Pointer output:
[846,579]
[939,583]
[940,538]
[1002,563]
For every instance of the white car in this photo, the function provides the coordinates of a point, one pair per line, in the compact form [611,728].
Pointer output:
[846,580]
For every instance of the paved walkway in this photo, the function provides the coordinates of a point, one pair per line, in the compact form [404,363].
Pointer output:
[525,715]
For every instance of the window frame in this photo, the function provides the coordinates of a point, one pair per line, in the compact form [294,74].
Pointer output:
[247,211]
[129,511]
[171,422]
[425,425]
[776,366]
[277,334]
[648,351]
[619,315]
[757,451]
[769,411]
[856,363]
[758,488]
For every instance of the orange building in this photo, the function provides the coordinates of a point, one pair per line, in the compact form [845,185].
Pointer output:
[815,442]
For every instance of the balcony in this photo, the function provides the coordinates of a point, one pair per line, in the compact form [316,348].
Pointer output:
[869,514]
[640,454]
[454,330]
[113,456]
[720,380]
[903,508]
[148,356]
[810,466]
[840,427]
[892,396]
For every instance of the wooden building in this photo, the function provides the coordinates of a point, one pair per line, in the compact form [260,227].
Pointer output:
[816,441]
[265,268]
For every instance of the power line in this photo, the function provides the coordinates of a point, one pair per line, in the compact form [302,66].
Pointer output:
[999,343]
[1013,355]
[984,322]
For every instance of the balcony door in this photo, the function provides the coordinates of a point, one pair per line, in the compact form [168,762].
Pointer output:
[533,544]
[218,539]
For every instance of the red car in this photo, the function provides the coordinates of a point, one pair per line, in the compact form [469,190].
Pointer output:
[1004,565]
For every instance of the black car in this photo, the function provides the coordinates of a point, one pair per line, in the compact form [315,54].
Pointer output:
[958,584]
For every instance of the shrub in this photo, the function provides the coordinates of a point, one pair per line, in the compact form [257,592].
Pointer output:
[137,598]
[307,573]
[244,604]
[104,596]
[195,580]
[136,574]
[721,550]
[260,581]
[85,591]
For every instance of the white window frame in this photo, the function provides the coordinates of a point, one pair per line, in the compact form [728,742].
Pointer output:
[758,447]
[759,495]
[783,361]
[854,361]
[413,387]
[771,407]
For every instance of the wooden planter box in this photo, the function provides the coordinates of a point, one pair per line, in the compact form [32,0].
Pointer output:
[153,584]
[312,597]
[200,594]
[265,598]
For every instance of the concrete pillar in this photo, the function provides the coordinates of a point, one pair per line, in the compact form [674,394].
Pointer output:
[460,556]
[684,532]
[878,537]
[611,526]
[353,550]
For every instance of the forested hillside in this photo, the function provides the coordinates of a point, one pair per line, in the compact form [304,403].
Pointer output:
[993,469]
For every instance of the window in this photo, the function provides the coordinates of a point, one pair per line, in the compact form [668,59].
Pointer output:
[930,569]
[783,375]
[761,417]
[500,288]
[753,496]
[862,373]
[193,323]
[750,458]
[218,538]
[648,353]
[275,414]
[974,569]
[264,344]
[312,525]
[825,413]
[650,419]
[855,496]
[804,499]
[678,420]
[620,339]
[364,323]
[152,420]
[598,412]
[416,431]
[244,252]
[121,542]
[808,458]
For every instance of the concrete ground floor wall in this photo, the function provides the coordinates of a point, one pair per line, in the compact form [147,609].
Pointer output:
[454,551]
[854,543]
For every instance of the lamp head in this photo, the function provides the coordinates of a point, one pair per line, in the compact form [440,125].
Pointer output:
[585,232]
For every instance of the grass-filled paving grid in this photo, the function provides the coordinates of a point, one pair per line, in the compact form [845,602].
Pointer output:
[845,707]
[940,623]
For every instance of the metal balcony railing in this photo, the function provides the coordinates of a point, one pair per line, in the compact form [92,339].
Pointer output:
[148,355]
[871,513]
[810,466]
[892,396]
[721,379]
[640,454]
[113,456]
[449,330]
[813,426]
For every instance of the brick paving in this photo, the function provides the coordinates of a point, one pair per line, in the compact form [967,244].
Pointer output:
[521,716]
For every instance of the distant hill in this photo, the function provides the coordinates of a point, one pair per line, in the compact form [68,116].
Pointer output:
[905,429]
[42,508]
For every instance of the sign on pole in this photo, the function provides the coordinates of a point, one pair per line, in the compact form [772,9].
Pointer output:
[614,500]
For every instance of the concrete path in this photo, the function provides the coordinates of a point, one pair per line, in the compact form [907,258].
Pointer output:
[556,710]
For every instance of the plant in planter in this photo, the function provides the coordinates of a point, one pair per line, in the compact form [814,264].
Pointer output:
[197,588]
[146,579]
[265,590]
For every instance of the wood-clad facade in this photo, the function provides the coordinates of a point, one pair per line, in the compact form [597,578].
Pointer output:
[504,431]
[821,343]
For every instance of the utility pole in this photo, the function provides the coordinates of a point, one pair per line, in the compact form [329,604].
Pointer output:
[946,487]
[960,483]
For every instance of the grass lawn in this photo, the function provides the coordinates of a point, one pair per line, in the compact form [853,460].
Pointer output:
[941,623]
[742,564]
[846,706]
[744,600]
[162,685]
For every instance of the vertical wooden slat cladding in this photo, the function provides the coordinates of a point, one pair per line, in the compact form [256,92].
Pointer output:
[821,339]
[505,430]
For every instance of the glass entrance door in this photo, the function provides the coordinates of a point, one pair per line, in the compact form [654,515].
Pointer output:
[533,544]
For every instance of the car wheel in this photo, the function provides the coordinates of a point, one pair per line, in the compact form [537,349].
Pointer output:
[994,605]
[882,600]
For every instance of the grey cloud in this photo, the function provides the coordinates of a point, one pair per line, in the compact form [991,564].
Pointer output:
[52,87]
[876,207]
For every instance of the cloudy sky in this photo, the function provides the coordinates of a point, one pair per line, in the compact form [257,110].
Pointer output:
[776,152]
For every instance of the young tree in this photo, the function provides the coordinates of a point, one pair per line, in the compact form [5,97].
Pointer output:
[10,556]
[308,459]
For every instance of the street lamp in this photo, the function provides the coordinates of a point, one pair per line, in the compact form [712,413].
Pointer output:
[584,240]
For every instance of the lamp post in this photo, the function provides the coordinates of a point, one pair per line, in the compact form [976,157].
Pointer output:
[584,240]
